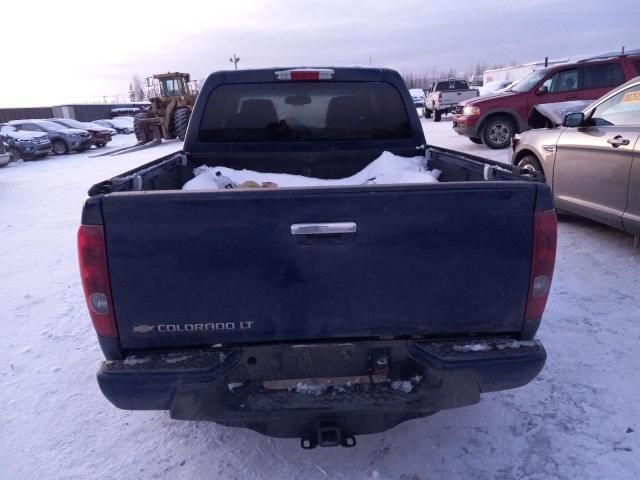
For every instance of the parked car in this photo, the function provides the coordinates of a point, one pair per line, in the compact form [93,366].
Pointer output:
[24,144]
[119,125]
[100,135]
[417,95]
[63,139]
[5,156]
[495,119]
[444,95]
[592,161]
[310,318]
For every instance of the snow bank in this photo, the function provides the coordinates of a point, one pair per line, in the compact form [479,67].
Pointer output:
[386,169]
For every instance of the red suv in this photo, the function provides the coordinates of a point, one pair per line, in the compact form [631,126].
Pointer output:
[494,119]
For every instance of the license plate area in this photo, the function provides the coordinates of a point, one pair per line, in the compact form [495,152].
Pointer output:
[316,368]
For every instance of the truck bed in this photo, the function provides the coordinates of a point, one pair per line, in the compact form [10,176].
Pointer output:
[173,171]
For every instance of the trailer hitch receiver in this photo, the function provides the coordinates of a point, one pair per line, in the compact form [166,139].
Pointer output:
[327,434]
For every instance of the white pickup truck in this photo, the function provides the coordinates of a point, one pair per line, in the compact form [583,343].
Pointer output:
[444,95]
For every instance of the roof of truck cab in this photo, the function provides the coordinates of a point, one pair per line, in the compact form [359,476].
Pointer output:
[268,74]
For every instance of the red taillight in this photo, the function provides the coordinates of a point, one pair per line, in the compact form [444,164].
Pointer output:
[543,258]
[95,279]
[305,75]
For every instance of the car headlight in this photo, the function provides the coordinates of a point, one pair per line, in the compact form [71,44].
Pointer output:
[22,140]
[471,111]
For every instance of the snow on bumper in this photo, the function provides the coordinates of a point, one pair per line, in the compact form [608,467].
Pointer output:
[243,386]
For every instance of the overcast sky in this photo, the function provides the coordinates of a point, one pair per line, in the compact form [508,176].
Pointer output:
[79,50]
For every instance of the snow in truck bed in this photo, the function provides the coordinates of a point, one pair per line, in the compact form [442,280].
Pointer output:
[386,169]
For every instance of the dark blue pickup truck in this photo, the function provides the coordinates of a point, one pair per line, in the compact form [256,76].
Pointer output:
[319,312]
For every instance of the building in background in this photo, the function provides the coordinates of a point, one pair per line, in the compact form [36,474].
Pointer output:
[517,72]
[7,114]
[87,113]
[80,112]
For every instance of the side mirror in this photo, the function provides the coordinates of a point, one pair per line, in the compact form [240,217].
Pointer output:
[573,120]
[543,90]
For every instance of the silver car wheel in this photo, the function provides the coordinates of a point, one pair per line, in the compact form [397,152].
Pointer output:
[499,133]
[59,148]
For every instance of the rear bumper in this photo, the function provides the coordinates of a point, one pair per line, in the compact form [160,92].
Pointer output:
[283,390]
[446,107]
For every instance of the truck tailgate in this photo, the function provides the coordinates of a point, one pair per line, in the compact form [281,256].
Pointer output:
[457,96]
[200,268]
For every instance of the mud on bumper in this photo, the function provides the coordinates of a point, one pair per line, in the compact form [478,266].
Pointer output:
[287,390]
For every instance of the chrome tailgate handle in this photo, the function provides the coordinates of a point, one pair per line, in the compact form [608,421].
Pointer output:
[323,228]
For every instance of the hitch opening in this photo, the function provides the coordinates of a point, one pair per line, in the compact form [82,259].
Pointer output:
[327,434]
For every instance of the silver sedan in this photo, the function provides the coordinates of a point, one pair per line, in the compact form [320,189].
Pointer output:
[592,160]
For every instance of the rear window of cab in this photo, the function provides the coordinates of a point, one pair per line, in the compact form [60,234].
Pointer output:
[304,111]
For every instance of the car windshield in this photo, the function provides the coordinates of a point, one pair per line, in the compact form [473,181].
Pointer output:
[47,125]
[70,122]
[621,109]
[528,82]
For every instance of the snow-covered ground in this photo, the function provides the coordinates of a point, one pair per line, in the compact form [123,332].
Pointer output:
[577,420]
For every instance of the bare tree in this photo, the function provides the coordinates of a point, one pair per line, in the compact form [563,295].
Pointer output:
[480,68]
[415,81]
